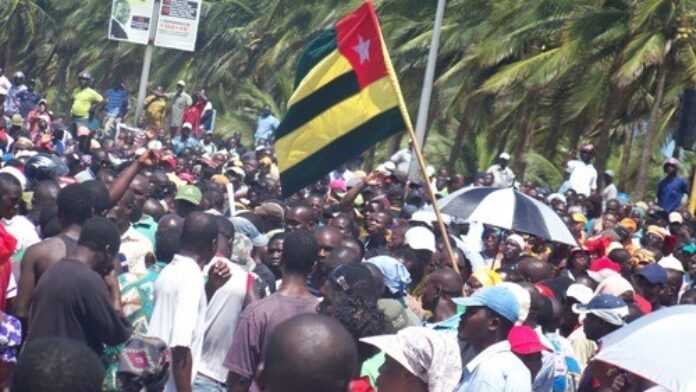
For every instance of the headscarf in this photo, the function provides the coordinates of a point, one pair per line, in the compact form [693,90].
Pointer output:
[396,276]
[427,354]
[487,277]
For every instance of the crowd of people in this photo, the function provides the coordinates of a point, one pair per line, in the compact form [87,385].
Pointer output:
[163,257]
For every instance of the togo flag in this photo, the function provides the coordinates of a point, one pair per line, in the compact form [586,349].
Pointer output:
[346,99]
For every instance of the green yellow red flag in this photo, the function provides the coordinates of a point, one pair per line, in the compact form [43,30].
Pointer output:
[346,99]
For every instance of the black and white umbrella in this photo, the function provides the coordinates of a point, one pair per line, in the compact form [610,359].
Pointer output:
[507,209]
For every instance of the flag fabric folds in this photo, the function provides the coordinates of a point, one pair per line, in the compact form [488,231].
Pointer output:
[346,99]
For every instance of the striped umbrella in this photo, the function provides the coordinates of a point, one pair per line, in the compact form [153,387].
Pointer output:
[507,209]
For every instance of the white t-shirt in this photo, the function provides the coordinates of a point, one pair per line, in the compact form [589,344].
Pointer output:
[178,316]
[23,231]
[5,84]
[502,178]
[583,177]
[221,318]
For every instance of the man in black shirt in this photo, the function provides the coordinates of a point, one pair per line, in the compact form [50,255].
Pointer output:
[78,297]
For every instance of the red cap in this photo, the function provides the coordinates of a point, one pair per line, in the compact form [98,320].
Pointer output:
[524,340]
[604,263]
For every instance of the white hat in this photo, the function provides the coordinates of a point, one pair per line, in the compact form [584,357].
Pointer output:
[580,292]
[614,245]
[504,156]
[672,263]
[675,217]
[420,237]
[523,298]
[556,196]
[428,217]
[516,238]
[16,173]
[181,83]
[610,173]
[187,125]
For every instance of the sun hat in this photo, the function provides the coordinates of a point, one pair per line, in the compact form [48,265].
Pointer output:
[609,308]
[189,193]
[17,120]
[654,273]
[671,263]
[429,355]
[629,224]
[420,238]
[524,340]
[496,298]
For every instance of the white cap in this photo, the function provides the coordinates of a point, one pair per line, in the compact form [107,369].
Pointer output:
[675,217]
[187,125]
[420,237]
[672,263]
[580,292]
[523,298]
[614,245]
[504,156]
[610,173]
[516,238]
[181,83]
[428,217]
[16,173]
[556,196]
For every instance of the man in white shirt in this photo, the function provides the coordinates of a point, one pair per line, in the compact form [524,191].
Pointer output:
[610,192]
[489,364]
[134,245]
[503,176]
[181,299]
[583,175]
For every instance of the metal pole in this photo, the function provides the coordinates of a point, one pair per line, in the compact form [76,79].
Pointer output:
[426,93]
[147,62]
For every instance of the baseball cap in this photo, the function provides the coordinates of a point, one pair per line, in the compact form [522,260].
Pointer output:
[654,273]
[672,263]
[579,292]
[496,298]
[609,308]
[602,268]
[578,217]
[675,217]
[419,237]
[524,340]
[189,193]
[353,279]
[504,156]
[587,147]
[609,173]
[524,299]
[181,83]
[187,125]
[17,120]
[672,161]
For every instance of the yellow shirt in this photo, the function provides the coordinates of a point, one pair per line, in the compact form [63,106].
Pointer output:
[83,100]
[155,110]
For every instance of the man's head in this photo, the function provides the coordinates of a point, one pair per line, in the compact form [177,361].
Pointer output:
[513,247]
[187,200]
[300,217]
[603,314]
[199,236]
[344,223]
[587,153]
[100,240]
[273,257]
[675,279]
[122,212]
[75,205]
[180,86]
[10,195]
[671,167]
[534,270]
[490,314]
[347,280]
[328,238]
[45,194]
[84,79]
[443,284]
[378,222]
[300,252]
[650,280]
[309,353]
[140,187]
[56,364]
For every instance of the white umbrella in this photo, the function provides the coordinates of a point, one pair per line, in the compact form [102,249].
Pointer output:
[660,347]
[507,209]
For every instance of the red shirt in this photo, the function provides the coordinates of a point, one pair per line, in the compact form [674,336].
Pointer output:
[361,385]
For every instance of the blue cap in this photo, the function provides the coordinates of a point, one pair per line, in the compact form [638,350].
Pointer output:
[396,276]
[498,299]
[654,273]
[601,302]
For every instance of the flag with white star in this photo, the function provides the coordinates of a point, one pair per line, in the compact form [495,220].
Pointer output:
[346,99]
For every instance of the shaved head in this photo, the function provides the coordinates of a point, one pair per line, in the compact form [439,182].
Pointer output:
[300,217]
[310,353]
[448,280]
[534,270]
[328,238]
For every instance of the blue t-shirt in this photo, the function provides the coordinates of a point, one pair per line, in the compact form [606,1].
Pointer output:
[670,192]
[116,102]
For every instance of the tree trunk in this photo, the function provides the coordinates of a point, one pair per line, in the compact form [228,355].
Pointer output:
[522,146]
[369,164]
[626,157]
[650,132]
[456,150]
[395,144]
